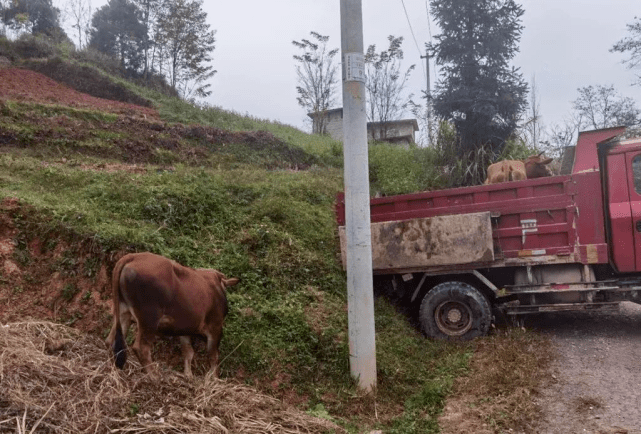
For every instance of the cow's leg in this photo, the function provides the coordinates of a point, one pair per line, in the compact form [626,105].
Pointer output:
[188,353]
[125,322]
[142,348]
[112,334]
[213,341]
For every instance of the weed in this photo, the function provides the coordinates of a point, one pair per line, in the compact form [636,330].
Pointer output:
[69,291]
[244,212]
[86,297]
[21,253]
[91,266]
[585,404]
[134,409]
[70,320]
[500,385]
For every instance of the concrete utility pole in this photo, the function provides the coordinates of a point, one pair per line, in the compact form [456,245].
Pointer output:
[428,94]
[360,295]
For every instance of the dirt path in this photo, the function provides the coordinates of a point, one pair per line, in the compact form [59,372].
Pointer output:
[597,384]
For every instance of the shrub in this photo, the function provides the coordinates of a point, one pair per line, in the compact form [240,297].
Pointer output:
[34,47]
[6,49]
[98,59]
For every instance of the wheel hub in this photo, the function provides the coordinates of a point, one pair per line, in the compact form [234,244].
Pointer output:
[453,318]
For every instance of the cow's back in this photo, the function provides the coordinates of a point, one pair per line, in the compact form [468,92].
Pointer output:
[167,296]
[506,170]
[147,279]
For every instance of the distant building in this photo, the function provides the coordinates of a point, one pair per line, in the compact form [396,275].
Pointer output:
[400,132]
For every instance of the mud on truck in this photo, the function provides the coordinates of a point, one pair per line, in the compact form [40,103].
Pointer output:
[566,242]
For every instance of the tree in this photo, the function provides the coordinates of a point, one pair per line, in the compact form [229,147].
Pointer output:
[532,125]
[117,30]
[34,16]
[632,44]
[316,72]
[149,12]
[187,44]
[79,12]
[562,135]
[602,107]
[478,91]
[385,83]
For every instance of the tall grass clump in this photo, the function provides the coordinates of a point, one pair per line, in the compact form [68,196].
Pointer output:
[471,169]
[397,170]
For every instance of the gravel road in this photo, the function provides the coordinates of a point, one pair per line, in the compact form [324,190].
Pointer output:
[596,387]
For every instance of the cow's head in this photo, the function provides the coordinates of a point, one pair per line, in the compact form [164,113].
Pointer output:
[536,166]
[218,278]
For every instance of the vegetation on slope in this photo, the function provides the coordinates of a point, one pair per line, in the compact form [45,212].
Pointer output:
[250,197]
[73,173]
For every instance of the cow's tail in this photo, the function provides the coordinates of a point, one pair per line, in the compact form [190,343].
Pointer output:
[119,345]
[120,349]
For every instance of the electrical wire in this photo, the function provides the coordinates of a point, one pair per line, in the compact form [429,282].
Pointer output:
[429,29]
[413,36]
[429,25]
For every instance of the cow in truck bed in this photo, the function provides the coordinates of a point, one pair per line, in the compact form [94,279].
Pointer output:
[534,166]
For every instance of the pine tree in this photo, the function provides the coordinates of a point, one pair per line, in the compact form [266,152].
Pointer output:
[478,90]
[35,16]
[117,30]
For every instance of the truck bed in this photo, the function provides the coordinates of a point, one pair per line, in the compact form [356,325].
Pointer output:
[550,220]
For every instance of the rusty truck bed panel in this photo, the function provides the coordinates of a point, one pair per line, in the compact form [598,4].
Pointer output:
[557,219]
[430,241]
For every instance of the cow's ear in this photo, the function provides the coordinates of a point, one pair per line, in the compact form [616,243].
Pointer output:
[546,161]
[230,282]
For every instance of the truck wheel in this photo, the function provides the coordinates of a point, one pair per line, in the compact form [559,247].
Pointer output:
[455,311]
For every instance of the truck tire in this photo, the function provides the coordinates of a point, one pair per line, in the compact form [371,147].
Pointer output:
[455,311]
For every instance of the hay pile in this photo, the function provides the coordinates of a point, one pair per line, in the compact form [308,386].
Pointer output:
[55,379]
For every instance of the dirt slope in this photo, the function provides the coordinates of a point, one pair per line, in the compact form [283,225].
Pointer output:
[29,86]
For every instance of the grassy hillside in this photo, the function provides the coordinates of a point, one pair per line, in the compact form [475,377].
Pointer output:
[84,181]
[83,185]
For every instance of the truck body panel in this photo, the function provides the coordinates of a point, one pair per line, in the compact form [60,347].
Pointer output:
[545,220]
[429,241]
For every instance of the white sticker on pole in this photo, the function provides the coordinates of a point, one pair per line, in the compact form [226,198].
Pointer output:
[354,67]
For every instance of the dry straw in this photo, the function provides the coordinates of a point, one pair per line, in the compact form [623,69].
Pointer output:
[56,379]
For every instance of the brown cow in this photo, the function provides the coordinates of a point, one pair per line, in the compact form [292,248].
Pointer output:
[532,167]
[164,297]
[506,170]
[536,166]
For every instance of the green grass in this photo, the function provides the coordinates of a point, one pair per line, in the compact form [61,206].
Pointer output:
[274,229]
[422,385]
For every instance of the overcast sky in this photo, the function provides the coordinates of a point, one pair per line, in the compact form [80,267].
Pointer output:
[564,45]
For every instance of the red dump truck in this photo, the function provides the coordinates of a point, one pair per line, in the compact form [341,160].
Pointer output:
[566,242]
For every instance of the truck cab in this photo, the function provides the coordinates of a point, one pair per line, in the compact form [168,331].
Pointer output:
[621,160]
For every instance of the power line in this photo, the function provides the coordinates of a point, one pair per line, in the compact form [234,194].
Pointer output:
[412,31]
[429,29]
[429,25]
